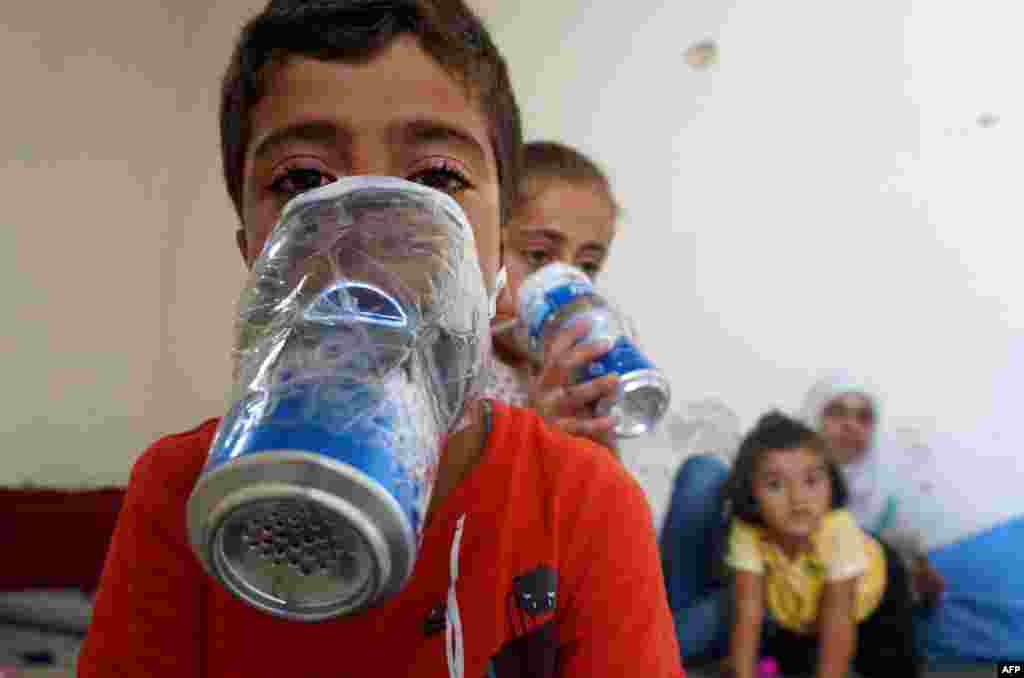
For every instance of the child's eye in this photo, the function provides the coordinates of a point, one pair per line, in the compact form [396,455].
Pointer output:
[590,269]
[299,180]
[536,258]
[443,177]
[774,485]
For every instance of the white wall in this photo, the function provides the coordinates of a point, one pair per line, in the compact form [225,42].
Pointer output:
[117,261]
[822,197]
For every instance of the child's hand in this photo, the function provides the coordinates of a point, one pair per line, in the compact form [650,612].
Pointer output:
[565,404]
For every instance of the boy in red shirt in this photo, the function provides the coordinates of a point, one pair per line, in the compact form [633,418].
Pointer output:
[319,90]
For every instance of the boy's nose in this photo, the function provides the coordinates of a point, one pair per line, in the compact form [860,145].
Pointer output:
[368,155]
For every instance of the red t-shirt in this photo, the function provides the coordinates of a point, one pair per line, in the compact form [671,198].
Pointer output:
[537,498]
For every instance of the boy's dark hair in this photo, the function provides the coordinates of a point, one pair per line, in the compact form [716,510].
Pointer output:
[774,431]
[552,160]
[354,31]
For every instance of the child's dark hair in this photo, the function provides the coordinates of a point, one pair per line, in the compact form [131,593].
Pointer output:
[774,431]
[354,31]
[553,160]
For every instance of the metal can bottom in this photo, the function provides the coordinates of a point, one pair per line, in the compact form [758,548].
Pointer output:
[639,403]
[299,535]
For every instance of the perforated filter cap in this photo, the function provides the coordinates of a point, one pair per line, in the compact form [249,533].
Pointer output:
[295,558]
[307,539]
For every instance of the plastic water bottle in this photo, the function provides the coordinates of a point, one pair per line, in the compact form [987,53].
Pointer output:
[555,297]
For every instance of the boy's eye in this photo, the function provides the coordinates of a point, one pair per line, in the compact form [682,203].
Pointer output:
[590,269]
[443,178]
[774,485]
[299,180]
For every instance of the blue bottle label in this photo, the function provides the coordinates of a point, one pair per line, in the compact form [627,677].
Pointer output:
[553,300]
[623,358]
[303,419]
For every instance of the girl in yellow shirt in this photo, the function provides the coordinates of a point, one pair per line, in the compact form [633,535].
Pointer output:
[836,594]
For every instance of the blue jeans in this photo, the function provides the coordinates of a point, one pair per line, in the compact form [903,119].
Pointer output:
[692,541]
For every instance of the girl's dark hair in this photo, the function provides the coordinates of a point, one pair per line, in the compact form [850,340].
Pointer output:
[354,31]
[774,431]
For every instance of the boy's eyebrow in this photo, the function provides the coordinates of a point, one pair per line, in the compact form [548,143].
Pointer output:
[430,130]
[412,132]
[317,131]
[594,247]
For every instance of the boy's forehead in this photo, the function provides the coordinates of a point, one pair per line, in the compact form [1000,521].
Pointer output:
[399,84]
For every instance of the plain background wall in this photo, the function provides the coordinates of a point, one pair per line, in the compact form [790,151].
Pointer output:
[118,254]
[823,196]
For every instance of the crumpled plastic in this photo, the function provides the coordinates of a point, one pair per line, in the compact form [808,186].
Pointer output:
[367,306]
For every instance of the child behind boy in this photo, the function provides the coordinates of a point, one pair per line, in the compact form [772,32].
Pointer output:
[835,593]
[564,211]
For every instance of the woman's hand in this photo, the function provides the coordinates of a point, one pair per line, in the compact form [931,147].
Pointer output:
[927,581]
[564,403]
[725,669]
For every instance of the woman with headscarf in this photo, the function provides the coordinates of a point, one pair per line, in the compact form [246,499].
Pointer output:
[847,412]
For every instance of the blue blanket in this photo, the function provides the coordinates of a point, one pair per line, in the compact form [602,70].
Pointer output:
[982,611]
